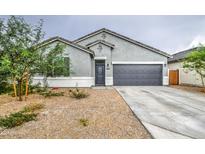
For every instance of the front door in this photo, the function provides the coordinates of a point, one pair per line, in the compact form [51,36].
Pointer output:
[100,73]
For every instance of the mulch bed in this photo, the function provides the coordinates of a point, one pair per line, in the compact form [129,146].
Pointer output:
[107,114]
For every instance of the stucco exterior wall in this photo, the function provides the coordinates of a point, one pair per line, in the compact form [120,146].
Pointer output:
[81,62]
[105,51]
[66,81]
[128,52]
[81,67]
[190,77]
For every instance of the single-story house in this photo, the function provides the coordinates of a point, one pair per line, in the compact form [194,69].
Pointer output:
[180,75]
[106,58]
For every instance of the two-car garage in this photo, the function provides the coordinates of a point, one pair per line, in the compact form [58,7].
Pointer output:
[137,74]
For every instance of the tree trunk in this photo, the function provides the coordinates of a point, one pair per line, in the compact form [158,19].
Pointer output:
[26,93]
[14,86]
[20,90]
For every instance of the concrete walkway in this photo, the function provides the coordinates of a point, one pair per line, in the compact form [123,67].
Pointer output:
[167,112]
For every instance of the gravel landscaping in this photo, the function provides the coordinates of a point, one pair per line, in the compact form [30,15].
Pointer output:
[103,114]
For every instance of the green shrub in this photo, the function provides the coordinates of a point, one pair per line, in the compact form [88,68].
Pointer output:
[76,93]
[16,119]
[5,87]
[51,93]
[33,107]
[84,122]
[35,88]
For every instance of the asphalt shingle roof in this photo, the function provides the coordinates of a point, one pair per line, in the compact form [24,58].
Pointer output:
[180,55]
[57,38]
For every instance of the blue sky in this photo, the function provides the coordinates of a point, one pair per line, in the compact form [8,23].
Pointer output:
[167,33]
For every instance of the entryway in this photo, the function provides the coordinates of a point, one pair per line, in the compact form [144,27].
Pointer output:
[100,72]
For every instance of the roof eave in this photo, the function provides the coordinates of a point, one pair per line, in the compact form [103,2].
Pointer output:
[102,42]
[51,40]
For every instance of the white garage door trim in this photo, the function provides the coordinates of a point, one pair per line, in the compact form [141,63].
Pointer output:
[138,62]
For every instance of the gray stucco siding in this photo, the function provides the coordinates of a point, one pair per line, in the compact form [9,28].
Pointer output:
[81,61]
[127,51]
[104,52]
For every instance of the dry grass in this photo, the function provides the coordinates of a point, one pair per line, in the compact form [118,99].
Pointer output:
[189,88]
[105,115]
[4,98]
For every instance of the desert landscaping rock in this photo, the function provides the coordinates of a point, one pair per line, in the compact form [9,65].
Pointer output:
[107,113]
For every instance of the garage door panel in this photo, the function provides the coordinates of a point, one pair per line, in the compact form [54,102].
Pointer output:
[125,74]
[139,82]
[137,76]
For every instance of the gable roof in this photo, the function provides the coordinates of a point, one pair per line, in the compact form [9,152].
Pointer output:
[102,42]
[124,38]
[60,39]
[180,55]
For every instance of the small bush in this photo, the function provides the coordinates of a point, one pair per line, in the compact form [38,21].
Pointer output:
[35,88]
[5,88]
[33,107]
[76,93]
[16,119]
[51,93]
[84,122]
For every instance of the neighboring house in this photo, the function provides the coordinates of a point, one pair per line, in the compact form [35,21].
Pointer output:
[106,58]
[175,64]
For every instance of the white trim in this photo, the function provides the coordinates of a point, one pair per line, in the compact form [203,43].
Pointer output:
[138,62]
[99,58]
[101,42]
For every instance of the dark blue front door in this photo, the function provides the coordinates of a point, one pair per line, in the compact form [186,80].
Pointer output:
[100,73]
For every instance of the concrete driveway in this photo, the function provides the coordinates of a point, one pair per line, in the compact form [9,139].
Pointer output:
[167,112]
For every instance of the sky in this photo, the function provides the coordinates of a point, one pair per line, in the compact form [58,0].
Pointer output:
[167,33]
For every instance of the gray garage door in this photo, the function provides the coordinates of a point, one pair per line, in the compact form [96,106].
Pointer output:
[137,75]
